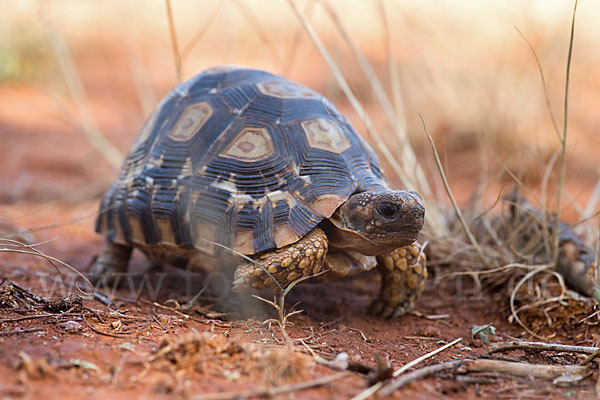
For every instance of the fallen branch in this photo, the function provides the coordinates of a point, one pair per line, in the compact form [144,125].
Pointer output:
[518,345]
[522,369]
[20,331]
[269,392]
[419,374]
[496,366]
[27,317]
[590,358]
[370,391]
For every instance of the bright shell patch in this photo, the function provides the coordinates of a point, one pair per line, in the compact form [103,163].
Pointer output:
[166,232]
[191,120]
[326,135]
[284,235]
[251,144]
[285,90]
[243,242]
[220,69]
[205,235]
[137,235]
[145,132]
[326,204]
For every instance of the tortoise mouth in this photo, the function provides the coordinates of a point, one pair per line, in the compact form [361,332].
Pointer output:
[395,239]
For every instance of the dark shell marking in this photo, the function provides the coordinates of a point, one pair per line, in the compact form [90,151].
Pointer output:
[240,157]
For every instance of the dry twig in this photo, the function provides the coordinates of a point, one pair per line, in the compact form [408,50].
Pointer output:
[274,391]
[513,294]
[370,391]
[516,345]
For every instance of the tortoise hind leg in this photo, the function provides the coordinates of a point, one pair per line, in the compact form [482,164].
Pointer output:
[403,274]
[303,258]
[112,261]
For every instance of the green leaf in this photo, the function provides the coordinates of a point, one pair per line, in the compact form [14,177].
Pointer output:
[483,332]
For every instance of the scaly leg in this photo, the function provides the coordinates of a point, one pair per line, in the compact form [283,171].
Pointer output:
[403,274]
[112,261]
[303,258]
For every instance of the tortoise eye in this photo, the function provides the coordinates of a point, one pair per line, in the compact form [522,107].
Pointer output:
[387,210]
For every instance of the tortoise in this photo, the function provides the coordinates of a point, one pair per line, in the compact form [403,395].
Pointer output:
[241,161]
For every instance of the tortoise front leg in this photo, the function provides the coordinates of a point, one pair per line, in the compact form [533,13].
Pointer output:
[303,258]
[403,274]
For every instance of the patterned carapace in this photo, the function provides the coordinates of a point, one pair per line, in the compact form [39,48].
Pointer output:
[240,157]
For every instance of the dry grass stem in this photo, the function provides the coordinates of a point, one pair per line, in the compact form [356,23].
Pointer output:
[51,260]
[141,80]
[279,305]
[52,226]
[545,180]
[487,271]
[563,140]
[254,22]
[392,70]
[459,214]
[174,43]
[88,125]
[249,259]
[434,218]
[524,279]
[291,58]
[593,201]
[408,156]
[198,36]
[544,86]
[398,121]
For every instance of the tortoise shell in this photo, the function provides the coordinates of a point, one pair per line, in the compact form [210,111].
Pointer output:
[239,157]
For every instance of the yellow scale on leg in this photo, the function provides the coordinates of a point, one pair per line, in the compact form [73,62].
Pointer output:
[304,258]
[403,274]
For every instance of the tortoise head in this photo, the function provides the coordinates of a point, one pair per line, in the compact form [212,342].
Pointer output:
[375,223]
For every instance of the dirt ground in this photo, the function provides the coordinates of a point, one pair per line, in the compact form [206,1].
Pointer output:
[115,347]
[147,339]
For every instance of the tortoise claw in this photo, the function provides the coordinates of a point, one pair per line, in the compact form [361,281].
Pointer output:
[382,309]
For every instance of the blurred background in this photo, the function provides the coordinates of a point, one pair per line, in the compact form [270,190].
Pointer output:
[78,78]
